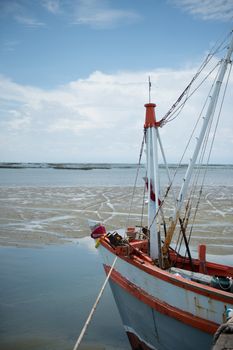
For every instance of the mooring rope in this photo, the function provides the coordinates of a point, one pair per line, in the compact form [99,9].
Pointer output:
[83,331]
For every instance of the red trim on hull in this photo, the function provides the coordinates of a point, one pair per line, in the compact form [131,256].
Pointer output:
[161,306]
[178,281]
[136,343]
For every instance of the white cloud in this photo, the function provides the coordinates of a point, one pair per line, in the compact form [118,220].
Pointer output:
[10,45]
[21,12]
[29,21]
[52,6]
[208,9]
[100,14]
[99,118]
[94,13]
[19,121]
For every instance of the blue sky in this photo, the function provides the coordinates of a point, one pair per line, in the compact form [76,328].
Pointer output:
[73,74]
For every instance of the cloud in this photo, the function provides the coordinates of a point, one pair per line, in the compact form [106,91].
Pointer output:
[10,45]
[52,6]
[100,14]
[207,9]
[100,118]
[18,121]
[93,13]
[28,21]
[21,12]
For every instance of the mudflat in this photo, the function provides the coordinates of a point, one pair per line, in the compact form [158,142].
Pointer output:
[32,216]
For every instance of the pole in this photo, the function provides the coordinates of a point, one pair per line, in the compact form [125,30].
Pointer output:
[207,120]
[83,331]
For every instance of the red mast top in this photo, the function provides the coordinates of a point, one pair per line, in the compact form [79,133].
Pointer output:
[150,120]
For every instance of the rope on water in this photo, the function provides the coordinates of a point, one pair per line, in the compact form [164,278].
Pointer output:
[83,331]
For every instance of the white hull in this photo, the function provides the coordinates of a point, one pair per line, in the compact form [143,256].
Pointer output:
[153,329]
[164,311]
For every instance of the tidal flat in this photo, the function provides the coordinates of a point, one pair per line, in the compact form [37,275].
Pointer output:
[34,216]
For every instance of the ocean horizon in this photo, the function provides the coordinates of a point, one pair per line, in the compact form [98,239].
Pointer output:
[97,165]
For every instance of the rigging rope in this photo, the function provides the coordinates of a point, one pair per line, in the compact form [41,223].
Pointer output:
[169,119]
[190,138]
[208,58]
[136,179]
[143,205]
[173,109]
[210,151]
[171,112]
[198,171]
[83,331]
[193,190]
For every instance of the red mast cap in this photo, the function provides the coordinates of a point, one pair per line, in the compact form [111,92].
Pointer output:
[150,119]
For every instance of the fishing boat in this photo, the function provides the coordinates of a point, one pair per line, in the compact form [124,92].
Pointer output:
[168,299]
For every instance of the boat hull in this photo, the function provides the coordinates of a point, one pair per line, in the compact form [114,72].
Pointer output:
[148,329]
[162,311]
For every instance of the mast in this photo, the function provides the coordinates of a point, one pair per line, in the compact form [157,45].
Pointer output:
[152,180]
[207,120]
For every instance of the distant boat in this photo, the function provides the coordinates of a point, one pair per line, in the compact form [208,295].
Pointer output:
[168,300]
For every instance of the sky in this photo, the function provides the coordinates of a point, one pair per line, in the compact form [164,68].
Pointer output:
[74,76]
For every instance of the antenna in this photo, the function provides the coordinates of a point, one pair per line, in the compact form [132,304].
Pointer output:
[149,82]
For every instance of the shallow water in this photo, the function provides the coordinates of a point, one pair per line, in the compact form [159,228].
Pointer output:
[46,295]
[113,176]
[61,177]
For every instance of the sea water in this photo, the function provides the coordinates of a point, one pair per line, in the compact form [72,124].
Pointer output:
[98,175]
[46,295]
[47,291]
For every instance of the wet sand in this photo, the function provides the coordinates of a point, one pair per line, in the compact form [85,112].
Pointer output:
[32,216]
